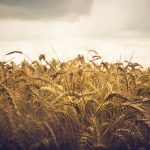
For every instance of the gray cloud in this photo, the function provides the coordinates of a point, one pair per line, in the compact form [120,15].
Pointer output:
[107,19]
[44,9]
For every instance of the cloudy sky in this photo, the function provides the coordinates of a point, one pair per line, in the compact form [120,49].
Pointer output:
[113,28]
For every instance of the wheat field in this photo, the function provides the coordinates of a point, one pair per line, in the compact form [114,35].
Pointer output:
[74,105]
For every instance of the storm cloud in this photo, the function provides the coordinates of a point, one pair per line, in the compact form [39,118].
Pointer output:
[110,25]
[44,9]
[104,18]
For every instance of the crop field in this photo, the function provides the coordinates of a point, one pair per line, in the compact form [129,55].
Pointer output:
[74,105]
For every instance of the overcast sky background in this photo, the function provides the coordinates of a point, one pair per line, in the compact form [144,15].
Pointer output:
[113,28]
